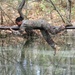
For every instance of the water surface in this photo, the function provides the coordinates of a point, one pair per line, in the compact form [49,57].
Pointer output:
[35,57]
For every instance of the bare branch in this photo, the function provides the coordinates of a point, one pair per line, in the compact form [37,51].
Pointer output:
[6,14]
[56,10]
[20,8]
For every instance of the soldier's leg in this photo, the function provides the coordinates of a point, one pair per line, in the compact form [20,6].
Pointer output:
[55,29]
[49,40]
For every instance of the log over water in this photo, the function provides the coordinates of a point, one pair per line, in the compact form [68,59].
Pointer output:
[15,27]
[70,27]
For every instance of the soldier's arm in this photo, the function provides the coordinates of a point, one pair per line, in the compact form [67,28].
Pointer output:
[15,32]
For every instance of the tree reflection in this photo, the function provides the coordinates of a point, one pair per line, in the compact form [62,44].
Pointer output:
[34,57]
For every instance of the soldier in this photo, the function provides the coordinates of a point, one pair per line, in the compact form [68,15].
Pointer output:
[44,27]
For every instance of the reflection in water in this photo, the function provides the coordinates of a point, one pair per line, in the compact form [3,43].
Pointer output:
[34,57]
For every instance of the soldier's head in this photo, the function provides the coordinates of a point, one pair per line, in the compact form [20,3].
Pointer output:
[19,20]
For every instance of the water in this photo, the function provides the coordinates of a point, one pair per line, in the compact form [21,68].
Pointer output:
[35,57]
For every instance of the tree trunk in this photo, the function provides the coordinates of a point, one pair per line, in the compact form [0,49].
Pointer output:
[1,17]
[68,12]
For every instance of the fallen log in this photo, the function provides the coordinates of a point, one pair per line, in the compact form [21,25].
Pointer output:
[70,27]
[14,27]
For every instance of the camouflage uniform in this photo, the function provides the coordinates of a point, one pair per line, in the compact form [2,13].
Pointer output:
[44,27]
[38,24]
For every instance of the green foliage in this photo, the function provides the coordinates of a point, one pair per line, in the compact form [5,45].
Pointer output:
[43,5]
[46,6]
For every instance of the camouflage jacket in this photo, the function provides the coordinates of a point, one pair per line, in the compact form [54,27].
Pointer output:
[38,24]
